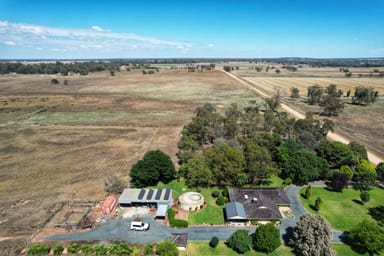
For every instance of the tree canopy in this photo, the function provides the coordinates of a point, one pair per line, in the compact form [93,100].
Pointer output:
[367,236]
[167,248]
[240,241]
[312,236]
[336,153]
[154,167]
[266,238]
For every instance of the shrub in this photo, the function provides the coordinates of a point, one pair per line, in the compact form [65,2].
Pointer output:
[73,248]
[101,250]
[287,181]
[214,242]
[221,200]
[58,249]
[176,223]
[215,193]
[148,250]
[225,192]
[38,249]
[87,249]
[308,192]
[54,81]
[365,197]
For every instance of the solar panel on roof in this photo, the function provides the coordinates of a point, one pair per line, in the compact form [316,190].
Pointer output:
[167,194]
[158,194]
[149,195]
[141,194]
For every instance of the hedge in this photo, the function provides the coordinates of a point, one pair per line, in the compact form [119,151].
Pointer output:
[176,223]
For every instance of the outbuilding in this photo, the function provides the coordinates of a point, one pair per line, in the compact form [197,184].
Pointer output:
[159,198]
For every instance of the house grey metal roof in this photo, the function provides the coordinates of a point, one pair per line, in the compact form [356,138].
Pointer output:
[260,203]
[235,210]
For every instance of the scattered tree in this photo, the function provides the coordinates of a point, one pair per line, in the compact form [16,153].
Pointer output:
[274,102]
[314,94]
[364,95]
[167,248]
[367,236]
[295,93]
[55,81]
[312,236]
[214,242]
[240,241]
[101,250]
[154,167]
[266,238]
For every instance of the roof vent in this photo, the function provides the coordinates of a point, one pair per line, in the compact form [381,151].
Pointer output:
[245,196]
[254,200]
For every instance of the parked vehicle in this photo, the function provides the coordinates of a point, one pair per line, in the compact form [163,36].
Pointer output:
[139,226]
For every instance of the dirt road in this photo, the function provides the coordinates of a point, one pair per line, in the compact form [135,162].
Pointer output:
[296,114]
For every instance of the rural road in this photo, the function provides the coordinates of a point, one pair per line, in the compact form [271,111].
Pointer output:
[296,114]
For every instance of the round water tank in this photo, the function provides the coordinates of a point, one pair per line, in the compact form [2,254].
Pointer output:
[191,201]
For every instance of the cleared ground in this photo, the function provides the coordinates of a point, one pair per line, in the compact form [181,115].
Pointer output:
[59,142]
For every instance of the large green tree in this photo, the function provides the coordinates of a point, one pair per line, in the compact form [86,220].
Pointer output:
[364,95]
[226,163]
[240,241]
[367,236]
[266,238]
[314,94]
[300,165]
[154,167]
[312,236]
[198,173]
[331,101]
[258,162]
[359,150]
[336,153]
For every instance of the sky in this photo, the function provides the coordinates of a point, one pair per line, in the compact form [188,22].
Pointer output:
[83,29]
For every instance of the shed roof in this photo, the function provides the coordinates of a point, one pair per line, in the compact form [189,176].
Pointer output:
[137,195]
[235,210]
[181,239]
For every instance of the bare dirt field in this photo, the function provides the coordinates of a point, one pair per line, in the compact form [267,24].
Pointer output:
[59,142]
[364,124]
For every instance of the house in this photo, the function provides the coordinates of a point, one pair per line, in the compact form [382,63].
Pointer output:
[260,204]
[159,198]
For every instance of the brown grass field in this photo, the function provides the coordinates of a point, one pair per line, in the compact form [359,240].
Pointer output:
[61,139]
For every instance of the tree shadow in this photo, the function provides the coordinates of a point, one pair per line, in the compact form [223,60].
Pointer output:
[344,238]
[313,207]
[288,234]
[357,201]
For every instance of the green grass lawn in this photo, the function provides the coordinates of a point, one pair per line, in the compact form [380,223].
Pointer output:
[203,249]
[342,210]
[178,187]
[343,249]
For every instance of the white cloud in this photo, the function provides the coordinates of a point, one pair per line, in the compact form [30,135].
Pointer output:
[95,39]
[10,43]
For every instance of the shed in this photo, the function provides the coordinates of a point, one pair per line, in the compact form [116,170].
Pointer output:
[181,240]
[108,205]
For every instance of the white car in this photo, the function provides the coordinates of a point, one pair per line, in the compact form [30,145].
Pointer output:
[139,226]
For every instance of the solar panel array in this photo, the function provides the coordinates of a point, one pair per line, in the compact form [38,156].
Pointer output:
[141,194]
